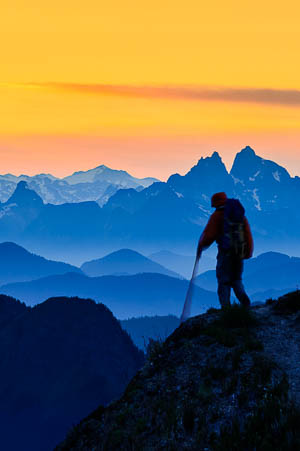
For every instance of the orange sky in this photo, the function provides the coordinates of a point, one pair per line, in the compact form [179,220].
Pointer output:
[148,87]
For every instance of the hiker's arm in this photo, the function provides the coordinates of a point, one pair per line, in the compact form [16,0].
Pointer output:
[249,239]
[210,233]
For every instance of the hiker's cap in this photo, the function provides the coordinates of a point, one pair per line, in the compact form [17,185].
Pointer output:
[218,200]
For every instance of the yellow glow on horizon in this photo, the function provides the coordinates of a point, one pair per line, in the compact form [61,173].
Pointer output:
[250,44]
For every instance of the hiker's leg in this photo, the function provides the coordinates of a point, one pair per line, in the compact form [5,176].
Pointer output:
[237,284]
[240,293]
[223,276]
[224,294]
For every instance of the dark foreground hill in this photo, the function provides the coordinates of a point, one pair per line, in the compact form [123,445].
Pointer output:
[124,262]
[126,296]
[59,360]
[19,265]
[10,309]
[222,381]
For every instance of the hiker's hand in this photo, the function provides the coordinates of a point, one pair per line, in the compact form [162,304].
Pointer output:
[199,250]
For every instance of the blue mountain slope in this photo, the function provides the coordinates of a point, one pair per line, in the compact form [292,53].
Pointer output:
[126,296]
[124,262]
[154,216]
[208,176]
[19,265]
[262,184]
[23,207]
[67,222]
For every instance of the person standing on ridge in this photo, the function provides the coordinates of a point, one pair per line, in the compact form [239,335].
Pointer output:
[229,227]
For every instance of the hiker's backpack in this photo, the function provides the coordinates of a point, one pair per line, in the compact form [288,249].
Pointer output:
[233,238]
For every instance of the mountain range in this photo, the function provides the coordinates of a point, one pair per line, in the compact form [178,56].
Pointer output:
[96,184]
[19,265]
[269,275]
[147,294]
[124,262]
[59,360]
[168,216]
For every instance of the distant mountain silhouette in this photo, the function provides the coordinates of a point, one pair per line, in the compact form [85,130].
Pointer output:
[23,196]
[59,361]
[19,265]
[95,184]
[108,175]
[124,262]
[126,296]
[167,215]
[269,184]
[151,217]
[183,204]
[146,328]
[208,176]
[269,274]
[23,207]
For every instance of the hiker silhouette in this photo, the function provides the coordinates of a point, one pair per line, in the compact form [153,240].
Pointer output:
[229,227]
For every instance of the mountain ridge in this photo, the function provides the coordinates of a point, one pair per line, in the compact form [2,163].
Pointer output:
[124,262]
[93,184]
[126,296]
[167,215]
[19,265]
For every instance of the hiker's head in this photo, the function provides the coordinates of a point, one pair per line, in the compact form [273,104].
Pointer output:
[218,200]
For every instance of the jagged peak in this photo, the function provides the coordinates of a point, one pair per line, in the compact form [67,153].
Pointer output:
[211,163]
[248,151]
[245,160]
[22,185]
[24,195]
[215,157]
[100,167]
[248,165]
[210,174]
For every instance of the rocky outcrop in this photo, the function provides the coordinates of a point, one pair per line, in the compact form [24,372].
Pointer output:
[225,380]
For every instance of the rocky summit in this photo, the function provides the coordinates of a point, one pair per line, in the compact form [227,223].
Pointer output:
[224,380]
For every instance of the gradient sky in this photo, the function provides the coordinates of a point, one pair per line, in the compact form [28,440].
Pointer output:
[148,87]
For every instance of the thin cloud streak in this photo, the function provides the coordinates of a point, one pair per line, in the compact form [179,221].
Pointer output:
[280,97]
